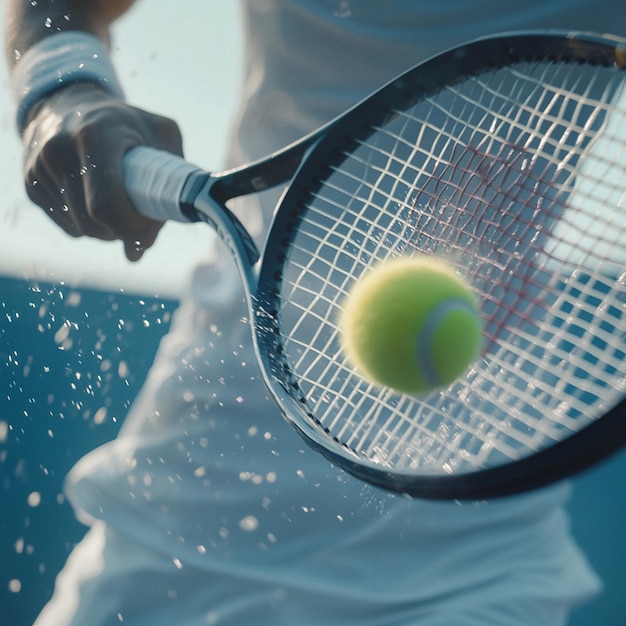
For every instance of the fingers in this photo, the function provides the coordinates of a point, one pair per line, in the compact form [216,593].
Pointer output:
[54,181]
[107,205]
[168,131]
[74,149]
[106,200]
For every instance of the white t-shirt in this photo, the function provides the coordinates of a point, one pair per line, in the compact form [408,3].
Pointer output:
[207,473]
[309,60]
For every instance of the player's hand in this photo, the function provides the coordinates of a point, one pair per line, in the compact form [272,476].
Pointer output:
[74,143]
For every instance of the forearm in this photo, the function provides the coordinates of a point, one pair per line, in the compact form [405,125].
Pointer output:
[28,22]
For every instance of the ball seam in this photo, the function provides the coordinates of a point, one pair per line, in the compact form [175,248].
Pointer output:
[429,327]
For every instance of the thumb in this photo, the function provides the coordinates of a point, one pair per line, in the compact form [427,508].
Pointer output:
[136,245]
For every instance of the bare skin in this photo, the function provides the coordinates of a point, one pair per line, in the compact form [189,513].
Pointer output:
[72,162]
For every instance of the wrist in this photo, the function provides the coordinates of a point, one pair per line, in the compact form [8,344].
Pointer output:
[58,60]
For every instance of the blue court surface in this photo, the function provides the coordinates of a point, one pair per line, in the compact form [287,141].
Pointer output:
[72,361]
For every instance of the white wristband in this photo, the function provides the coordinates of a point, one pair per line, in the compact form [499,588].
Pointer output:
[58,60]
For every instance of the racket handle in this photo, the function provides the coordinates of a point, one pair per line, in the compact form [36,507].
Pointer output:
[154,181]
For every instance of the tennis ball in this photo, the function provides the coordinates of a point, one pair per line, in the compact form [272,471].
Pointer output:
[411,324]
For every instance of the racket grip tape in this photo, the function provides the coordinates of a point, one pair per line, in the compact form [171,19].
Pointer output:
[154,181]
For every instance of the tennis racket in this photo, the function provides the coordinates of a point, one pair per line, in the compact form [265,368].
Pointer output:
[507,158]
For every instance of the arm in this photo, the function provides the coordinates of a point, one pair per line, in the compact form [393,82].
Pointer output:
[73,163]
[28,22]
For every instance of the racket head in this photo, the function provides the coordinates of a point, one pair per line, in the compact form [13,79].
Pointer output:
[477,156]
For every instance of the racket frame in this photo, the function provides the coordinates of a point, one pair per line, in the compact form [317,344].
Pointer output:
[205,197]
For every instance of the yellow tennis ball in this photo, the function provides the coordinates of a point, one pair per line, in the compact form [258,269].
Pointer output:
[411,324]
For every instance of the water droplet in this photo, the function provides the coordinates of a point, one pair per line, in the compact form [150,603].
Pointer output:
[62,334]
[34,499]
[15,585]
[249,523]
[343,10]
[100,416]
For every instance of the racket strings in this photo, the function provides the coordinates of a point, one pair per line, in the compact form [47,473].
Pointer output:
[499,175]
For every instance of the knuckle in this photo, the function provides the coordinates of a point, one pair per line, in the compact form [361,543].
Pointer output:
[171,127]
[37,189]
[32,185]
[174,134]
[35,195]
